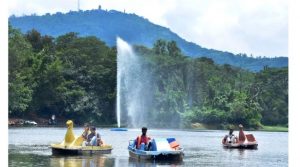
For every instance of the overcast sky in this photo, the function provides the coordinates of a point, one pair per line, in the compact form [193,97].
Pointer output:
[258,27]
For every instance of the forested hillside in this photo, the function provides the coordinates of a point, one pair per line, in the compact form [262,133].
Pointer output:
[106,25]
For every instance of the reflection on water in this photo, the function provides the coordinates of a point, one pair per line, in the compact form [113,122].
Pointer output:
[26,160]
[94,160]
[200,148]
[80,161]
[135,163]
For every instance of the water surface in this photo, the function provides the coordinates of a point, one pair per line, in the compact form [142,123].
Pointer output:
[30,147]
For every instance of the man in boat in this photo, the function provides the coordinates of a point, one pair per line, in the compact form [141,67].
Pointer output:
[93,139]
[230,138]
[143,139]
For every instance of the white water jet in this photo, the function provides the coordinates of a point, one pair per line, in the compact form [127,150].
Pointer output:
[132,91]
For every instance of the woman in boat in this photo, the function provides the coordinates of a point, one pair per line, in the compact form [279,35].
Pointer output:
[85,133]
[230,138]
[143,139]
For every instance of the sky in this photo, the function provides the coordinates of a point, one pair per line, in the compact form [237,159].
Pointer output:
[254,27]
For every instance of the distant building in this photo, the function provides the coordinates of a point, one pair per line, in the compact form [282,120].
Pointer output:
[99,7]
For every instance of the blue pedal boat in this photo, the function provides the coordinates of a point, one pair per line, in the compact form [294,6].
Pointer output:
[118,129]
[161,149]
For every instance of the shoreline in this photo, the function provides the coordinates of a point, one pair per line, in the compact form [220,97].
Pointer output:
[264,129]
[193,127]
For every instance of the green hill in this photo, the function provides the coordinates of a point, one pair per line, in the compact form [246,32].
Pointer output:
[107,25]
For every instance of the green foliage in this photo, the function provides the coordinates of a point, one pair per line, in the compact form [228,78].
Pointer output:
[197,90]
[207,115]
[21,67]
[272,95]
[19,96]
[70,76]
[75,78]
[161,47]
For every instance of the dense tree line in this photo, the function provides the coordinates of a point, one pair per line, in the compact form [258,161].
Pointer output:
[198,90]
[67,76]
[75,77]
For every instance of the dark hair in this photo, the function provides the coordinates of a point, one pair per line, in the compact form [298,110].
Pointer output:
[86,125]
[93,128]
[144,128]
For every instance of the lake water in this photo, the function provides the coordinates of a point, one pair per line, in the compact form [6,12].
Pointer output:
[30,147]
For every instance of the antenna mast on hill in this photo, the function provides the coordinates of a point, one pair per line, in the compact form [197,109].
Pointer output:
[78,5]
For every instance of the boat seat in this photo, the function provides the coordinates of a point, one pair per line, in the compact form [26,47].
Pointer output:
[162,144]
[250,138]
[173,143]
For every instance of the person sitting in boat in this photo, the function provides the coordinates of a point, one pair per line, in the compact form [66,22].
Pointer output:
[230,138]
[242,136]
[93,139]
[85,132]
[143,139]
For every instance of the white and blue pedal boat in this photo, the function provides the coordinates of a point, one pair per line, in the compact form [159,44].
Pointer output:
[161,149]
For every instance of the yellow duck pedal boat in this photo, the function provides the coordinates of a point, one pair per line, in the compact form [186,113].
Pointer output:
[73,145]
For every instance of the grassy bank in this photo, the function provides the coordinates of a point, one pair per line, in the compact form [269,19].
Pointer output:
[201,126]
[275,128]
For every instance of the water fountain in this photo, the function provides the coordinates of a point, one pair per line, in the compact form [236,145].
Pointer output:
[132,87]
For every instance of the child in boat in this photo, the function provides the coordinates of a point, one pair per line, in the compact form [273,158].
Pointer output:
[93,139]
[230,138]
[143,139]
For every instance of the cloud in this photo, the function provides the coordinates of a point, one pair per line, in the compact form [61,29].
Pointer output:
[39,7]
[253,27]
[250,26]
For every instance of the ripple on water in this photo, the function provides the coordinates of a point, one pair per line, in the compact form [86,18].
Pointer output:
[30,149]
